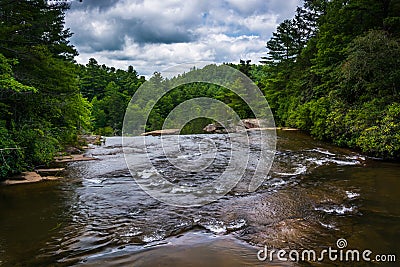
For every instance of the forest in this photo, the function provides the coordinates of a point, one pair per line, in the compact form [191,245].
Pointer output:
[333,71]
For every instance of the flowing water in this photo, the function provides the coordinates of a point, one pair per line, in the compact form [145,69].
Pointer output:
[98,216]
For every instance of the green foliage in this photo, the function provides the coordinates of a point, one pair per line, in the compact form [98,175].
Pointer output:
[109,91]
[283,45]
[41,106]
[383,138]
[333,70]
[291,36]
[372,68]
[39,145]
[343,84]
[105,131]
[11,155]
[195,126]
[187,91]
[8,84]
[311,116]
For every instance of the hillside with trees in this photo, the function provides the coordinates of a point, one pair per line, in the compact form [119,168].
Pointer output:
[334,71]
[41,107]
[109,91]
[46,98]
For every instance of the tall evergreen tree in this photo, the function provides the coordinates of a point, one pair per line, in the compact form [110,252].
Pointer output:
[342,83]
[32,36]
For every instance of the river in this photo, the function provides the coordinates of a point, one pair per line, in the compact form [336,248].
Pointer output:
[97,215]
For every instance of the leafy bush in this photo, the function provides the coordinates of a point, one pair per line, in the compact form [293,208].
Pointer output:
[11,156]
[39,145]
[105,131]
[383,139]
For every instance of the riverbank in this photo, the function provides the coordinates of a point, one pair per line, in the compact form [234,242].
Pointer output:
[53,171]
[30,177]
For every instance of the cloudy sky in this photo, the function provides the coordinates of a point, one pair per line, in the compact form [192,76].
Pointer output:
[152,35]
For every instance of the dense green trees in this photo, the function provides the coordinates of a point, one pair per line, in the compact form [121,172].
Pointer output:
[46,99]
[342,84]
[183,91]
[109,91]
[333,70]
[40,101]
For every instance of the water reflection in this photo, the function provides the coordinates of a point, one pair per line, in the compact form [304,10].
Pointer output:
[97,214]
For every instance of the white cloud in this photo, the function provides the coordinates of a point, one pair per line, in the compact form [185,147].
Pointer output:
[154,34]
[248,6]
[263,24]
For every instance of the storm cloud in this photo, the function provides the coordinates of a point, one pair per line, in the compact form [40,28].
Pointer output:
[154,34]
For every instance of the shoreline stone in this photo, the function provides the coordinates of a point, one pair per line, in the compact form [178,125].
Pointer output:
[53,173]
[73,158]
[50,172]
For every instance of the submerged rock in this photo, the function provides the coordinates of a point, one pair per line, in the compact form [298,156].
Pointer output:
[162,132]
[73,158]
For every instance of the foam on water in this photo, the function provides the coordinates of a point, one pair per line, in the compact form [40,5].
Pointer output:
[339,210]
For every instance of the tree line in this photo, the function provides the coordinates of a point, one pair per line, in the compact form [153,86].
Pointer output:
[41,106]
[333,70]
[109,91]
[46,98]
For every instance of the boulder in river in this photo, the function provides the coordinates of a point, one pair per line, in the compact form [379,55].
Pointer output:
[243,125]
[210,128]
[215,128]
[240,126]
[252,123]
